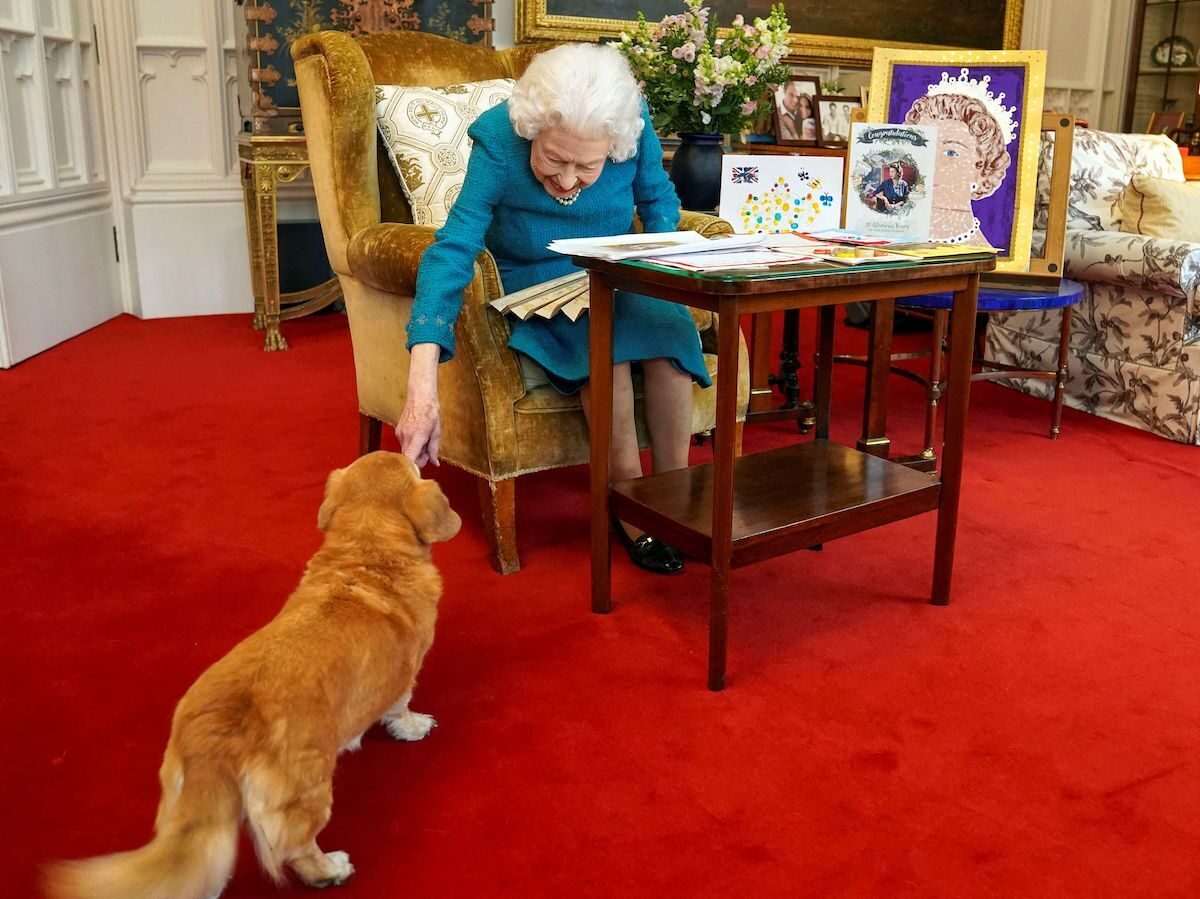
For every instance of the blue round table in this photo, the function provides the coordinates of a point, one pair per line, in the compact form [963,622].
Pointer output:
[1023,298]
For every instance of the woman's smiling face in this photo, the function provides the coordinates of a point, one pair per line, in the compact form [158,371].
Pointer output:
[563,162]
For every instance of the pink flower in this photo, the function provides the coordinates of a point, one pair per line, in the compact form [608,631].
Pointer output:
[749,106]
[739,20]
[752,80]
[762,52]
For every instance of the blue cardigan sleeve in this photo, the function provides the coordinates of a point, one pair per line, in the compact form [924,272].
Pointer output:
[449,264]
[653,192]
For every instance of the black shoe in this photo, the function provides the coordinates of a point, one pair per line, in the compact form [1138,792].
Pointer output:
[650,554]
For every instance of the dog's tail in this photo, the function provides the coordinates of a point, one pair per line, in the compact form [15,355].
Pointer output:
[192,853]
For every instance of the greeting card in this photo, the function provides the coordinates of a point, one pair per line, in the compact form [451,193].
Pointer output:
[890,193]
[776,194]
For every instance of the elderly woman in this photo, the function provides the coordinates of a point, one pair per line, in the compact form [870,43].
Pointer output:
[571,154]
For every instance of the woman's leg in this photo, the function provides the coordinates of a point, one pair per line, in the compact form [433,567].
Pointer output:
[668,413]
[624,459]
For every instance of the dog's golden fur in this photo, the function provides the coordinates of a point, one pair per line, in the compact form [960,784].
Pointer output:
[258,734]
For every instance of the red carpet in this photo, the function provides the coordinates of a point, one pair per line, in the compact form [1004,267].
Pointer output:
[159,484]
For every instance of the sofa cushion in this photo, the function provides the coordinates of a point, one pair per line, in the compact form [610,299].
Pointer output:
[1158,207]
[425,132]
[1102,165]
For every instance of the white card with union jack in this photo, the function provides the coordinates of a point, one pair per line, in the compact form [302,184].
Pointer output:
[776,194]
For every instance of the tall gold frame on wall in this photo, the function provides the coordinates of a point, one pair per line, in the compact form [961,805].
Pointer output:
[534,23]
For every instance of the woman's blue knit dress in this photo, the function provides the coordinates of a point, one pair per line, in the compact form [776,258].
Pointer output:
[503,207]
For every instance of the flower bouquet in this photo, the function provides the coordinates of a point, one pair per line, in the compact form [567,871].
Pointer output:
[695,82]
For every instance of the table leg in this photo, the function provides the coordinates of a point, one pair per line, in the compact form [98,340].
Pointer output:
[1060,380]
[962,337]
[600,382]
[874,438]
[253,243]
[823,376]
[724,451]
[789,359]
[760,362]
[264,191]
[934,388]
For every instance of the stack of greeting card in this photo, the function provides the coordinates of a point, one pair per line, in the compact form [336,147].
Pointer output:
[890,190]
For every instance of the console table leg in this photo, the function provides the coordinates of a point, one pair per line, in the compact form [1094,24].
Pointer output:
[874,438]
[823,378]
[722,494]
[600,348]
[962,336]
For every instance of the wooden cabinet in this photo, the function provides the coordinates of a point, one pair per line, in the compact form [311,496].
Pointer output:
[1164,72]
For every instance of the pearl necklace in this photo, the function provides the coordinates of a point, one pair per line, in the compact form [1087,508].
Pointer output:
[961,238]
[571,197]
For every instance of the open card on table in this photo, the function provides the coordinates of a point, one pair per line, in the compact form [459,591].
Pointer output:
[890,191]
[640,246]
[775,194]
[728,260]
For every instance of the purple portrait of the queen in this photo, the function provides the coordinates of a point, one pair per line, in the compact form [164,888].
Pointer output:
[979,111]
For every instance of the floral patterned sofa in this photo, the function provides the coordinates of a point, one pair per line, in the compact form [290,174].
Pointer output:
[1135,335]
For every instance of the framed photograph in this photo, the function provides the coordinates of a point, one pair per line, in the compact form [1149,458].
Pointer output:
[987,106]
[836,32]
[1165,122]
[796,121]
[833,113]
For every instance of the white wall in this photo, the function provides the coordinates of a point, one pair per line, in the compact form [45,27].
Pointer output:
[57,265]
[1087,45]
[172,72]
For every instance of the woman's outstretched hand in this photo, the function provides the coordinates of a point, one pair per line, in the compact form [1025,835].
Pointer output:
[420,428]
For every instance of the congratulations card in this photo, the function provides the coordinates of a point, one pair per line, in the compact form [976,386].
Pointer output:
[891,181]
[776,194]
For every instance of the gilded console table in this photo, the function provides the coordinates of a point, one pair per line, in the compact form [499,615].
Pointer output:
[267,161]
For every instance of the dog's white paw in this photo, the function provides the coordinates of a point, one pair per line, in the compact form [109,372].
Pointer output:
[338,871]
[410,726]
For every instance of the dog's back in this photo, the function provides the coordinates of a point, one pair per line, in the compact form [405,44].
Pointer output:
[258,733]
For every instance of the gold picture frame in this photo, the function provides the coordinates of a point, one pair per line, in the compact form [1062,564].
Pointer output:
[1003,206]
[538,20]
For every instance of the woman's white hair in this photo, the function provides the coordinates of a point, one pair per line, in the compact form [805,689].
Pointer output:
[587,89]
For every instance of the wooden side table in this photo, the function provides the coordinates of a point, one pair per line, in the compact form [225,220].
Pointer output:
[732,512]
[267,161]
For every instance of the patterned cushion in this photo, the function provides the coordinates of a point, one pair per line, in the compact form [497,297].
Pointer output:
[1102,165]
[1162,208]
[425,132]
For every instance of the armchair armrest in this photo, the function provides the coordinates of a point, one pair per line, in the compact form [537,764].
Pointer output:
[701,223]
[387,255]
[1153,264]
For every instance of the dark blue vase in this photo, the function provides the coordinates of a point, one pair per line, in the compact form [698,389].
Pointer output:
[696,171]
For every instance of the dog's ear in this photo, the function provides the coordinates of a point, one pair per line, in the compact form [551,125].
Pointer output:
[332,498]
[430,513]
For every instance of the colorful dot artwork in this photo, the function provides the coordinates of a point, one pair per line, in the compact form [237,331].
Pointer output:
[783,207]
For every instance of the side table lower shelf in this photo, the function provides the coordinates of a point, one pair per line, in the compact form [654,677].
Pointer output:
[783,500]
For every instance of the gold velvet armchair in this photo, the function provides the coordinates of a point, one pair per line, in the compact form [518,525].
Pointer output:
[492,426]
